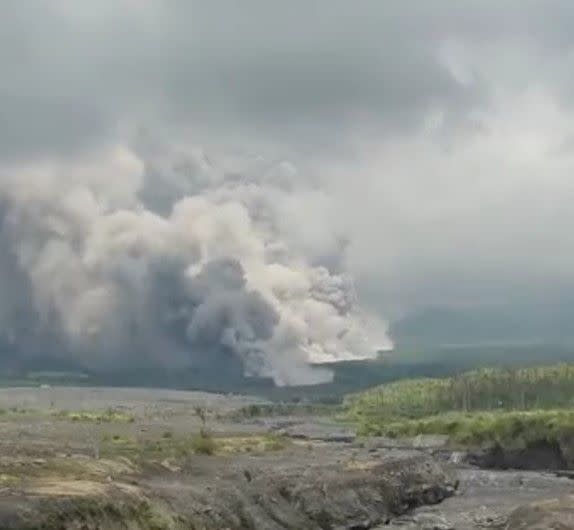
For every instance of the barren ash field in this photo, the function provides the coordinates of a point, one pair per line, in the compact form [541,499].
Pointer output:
[113,458]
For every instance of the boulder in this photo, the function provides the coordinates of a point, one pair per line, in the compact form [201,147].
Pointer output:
[557,514]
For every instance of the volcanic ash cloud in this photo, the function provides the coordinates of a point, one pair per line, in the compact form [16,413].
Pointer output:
[167,258]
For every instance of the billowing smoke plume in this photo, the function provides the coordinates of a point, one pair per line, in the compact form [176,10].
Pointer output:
[163,257]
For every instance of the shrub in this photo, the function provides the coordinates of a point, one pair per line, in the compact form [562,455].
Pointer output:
[203,443]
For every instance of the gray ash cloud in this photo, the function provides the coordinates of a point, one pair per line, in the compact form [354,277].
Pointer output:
[108,276]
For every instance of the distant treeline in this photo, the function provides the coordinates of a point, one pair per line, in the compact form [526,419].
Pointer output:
[541,387]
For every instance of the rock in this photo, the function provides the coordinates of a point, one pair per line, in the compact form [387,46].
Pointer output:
[556,513]
[171,466]
[382,442]
[486,517]
[432,522]
[457,457]
[541,456]
[319,432]
[425,521]
[430,441]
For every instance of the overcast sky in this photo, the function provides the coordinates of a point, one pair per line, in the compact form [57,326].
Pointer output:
[442,132]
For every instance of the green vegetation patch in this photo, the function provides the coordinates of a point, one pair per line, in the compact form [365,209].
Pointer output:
[177,447]
[487,389]
[252,444]
[203,443]
[101,512]
[17,411]
[106,416]
[285,409]
[512,430]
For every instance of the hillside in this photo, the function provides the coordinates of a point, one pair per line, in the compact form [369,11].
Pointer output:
[486,389]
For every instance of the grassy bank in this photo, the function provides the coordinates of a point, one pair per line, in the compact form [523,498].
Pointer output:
[506,429]
[510,408]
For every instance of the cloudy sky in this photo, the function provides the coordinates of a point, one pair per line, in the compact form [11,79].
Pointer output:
[440,134]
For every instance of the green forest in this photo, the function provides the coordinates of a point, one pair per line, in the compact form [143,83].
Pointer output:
[486,389]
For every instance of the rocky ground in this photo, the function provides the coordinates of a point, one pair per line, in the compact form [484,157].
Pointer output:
[81,458]
[486,499]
